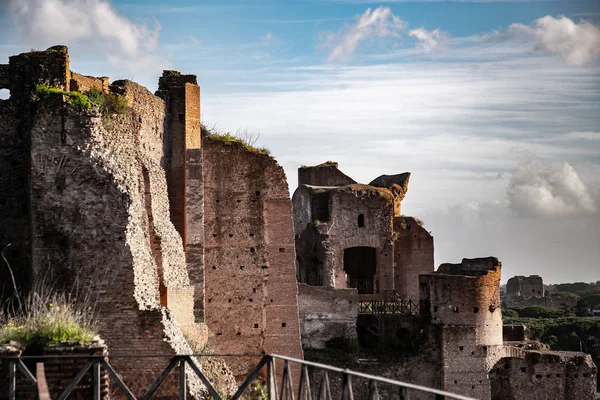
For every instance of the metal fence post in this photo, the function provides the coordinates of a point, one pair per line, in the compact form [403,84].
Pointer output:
[12,381]
[96,379]
[182,381]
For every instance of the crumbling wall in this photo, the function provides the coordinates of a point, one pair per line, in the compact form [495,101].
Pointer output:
[327,314]
[251,293]
[326,174]
[413,256]
[525,286]
[20,77]
[83,83]
[544,375]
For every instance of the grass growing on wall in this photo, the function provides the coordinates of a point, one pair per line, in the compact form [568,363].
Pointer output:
[47,318]
[108,103]
[243,137]
[79,100]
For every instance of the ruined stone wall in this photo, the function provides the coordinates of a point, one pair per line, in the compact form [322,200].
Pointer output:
[376,206]
[183,163]
[326,314]
[251,290]
[544,375]
[98,210]
[526,286]
[413,256]
[20,77]
[466,300]
[83,83]
[326,174]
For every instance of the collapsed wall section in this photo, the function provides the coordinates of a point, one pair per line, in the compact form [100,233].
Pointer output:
[251,290]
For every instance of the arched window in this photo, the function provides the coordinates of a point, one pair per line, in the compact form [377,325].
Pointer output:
[361,220]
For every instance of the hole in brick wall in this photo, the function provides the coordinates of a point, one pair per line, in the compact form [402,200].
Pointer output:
[455,382]
[257,193]
[480,381]
[538,376]
[434,308]
[548,375]
[271,300]
[255,326]
[216,201]
[492,308]
[558,375]
[239,333]
[253,290]
[461,348]
[214,235]
[473,387]
[242,267]
[252,250]
[252,235]
[283,324]
[485,349]
[475,309]
[282,250]
[576,375]
[263,267]
[455,309]
[120,238]
[229,300]
[231,235]
[209,300]
[253,200]
[219,333]
[472,353]
[250,299]
[4,94]
[523,369]
[239,201]
[213,267]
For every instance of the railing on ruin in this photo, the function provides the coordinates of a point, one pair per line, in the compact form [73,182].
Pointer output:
[332,382]
[397,307]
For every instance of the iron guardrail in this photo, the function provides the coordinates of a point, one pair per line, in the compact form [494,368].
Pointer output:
[401,307]
[179,362]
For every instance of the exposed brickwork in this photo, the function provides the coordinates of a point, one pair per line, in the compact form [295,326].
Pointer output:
[326,174]
[524,286]
[251,290]
[83,83]
[413,256]
[544,375]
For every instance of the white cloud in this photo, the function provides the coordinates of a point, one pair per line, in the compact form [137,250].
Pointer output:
[429,40]
[379,23]
[575,43]
[92,23]
[267,37]
[539,189]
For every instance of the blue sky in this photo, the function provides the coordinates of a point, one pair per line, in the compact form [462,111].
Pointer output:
[494,106]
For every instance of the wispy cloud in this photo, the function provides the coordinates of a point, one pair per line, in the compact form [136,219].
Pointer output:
[379,23]
[92,23]
[429,40]
[574,43]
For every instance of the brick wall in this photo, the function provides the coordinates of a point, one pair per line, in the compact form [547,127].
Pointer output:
[83,83]
[326,174]
[413,256]
[327,313]
[251,291]
[544,375]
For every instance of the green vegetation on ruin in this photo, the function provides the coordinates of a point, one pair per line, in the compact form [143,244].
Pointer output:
[79,100]
[244,138]
[47,319]
[108,103]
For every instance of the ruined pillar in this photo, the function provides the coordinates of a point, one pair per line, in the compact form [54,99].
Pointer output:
[183,166]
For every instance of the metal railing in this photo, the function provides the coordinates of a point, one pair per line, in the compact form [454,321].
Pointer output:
[343,378]
[401,307]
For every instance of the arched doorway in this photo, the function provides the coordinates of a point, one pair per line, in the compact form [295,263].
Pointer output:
[360,266]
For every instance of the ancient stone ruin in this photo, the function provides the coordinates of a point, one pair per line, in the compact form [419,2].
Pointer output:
[185,239]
